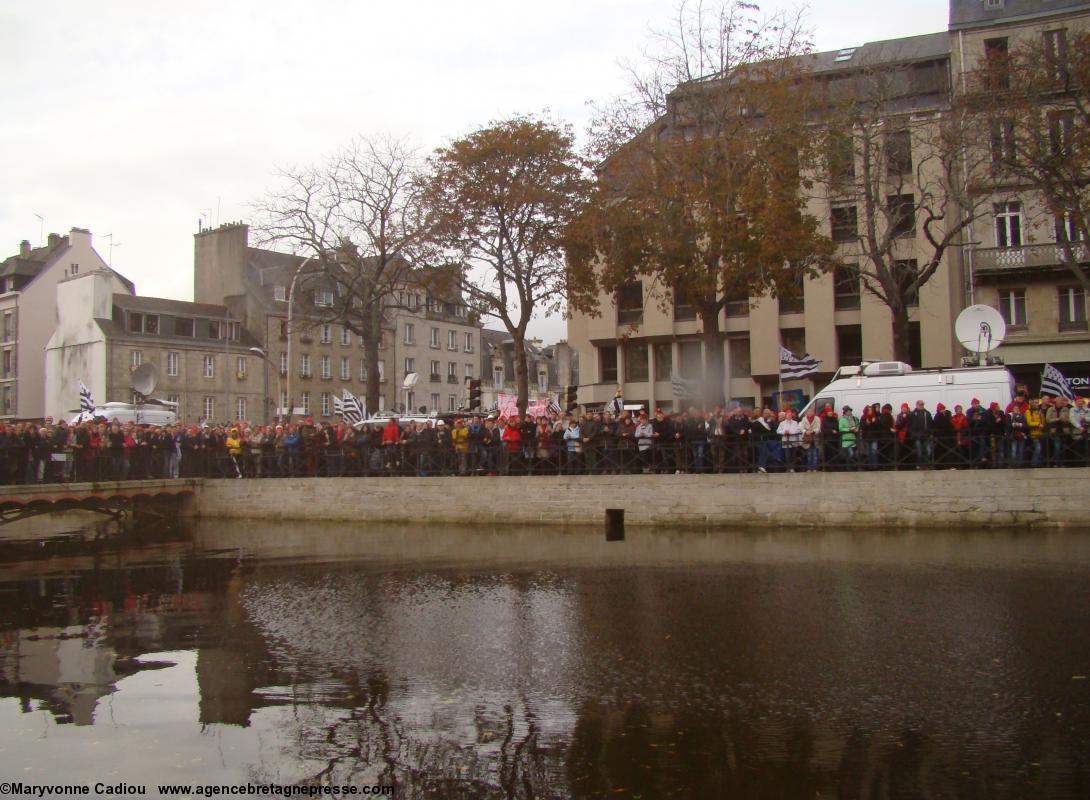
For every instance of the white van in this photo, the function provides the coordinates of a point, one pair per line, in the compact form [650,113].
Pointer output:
[143,414]
[895,382]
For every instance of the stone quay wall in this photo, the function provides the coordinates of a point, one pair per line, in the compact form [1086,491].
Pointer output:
[1030,497]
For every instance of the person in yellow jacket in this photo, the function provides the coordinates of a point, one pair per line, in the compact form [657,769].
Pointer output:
[1035,426]
[234,450]
[459,438]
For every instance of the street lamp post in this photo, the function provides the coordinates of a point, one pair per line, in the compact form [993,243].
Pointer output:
[265,357]
[291,313]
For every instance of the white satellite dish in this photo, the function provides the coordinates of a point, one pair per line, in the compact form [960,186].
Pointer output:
[410,380]
[144,379]
[980,329]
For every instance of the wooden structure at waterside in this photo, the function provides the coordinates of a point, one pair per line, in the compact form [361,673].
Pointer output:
[120,500]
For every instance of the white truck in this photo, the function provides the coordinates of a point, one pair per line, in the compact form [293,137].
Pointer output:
[895,382]
[158,414]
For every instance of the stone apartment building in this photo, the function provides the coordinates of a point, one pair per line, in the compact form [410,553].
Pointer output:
[105,331]
[641,339]
[434,337]
[28,288]
[551,367]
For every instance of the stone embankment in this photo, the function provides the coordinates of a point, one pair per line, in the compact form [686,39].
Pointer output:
[1031,498]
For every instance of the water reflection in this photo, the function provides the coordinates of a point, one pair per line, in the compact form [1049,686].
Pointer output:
[546,664]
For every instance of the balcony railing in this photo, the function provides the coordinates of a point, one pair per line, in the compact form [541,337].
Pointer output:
[997,259]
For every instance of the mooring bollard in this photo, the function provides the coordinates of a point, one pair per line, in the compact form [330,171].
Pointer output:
[614,524]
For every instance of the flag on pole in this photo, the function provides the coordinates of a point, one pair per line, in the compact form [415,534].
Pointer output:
[351,408]
[86,402]
[792,366]
[1054,383]
[616,405]
[553,407]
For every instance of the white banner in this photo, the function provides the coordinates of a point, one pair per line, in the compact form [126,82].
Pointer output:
[507,405]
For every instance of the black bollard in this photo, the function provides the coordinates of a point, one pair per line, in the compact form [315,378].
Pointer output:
[614,524]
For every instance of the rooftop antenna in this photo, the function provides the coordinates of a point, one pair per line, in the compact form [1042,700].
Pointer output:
[41,229]
[113,244]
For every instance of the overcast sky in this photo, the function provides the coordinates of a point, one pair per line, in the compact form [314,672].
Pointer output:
[125,119]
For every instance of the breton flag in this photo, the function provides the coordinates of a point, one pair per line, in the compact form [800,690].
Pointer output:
[86,402]
[351,408]
[1054,383]
[338,407]
[616,405]
[553,407]
[793,367]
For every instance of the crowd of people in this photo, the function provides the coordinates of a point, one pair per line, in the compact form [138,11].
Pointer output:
[1035,432]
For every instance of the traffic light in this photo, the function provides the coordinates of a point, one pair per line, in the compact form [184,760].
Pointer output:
[474,394]
[571,397]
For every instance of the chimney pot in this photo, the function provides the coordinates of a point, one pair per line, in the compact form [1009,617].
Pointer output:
[54,240]
[24,248]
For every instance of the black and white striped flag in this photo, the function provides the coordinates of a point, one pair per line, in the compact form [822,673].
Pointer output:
[616,405]
[338,407]
[1054,383]
[792,366]
[553,407]
[351,408]
[86,402]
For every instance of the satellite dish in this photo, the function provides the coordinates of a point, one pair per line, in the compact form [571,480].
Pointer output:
[980,329]
[410,380]
[144,379]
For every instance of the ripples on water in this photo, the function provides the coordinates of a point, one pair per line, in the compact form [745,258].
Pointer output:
[550,664]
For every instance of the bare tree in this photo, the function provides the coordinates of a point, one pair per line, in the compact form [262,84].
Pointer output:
[358,215]
[500,199]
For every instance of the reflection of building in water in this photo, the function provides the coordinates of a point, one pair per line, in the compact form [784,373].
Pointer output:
[73,636]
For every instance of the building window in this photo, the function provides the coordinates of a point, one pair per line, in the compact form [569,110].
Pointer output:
[363,369]
[497,377]
[849,344]
[1002,142]
[410,365]
[630,304]
[433,338]
[690,356]
[845,227]
[382,402]
[280,294]
[740,365]
[172,364]
[408,333]
[173,398]
[997,63]
[1056,53]
[9,328]
[346,368]
[901,209]
[635,361]
[468,345]
[664,361]
[326,367]
[905,273]
[452,402]
[240,408]
[1012,305]
[434,373]
[1061,128]
[841,158]
[607,360]
[683,309]
[410,402]
[216,330]
[7,364]
[1072,302]
[1008,224]
[240,366]
[325,401]
[469,371]
[452,340]
[323,298]
[346,336]
[209,367]
[136,358]
[209,408]
[304,365]
[846,287]
[325,335]
[452,371]
[793,296]
[283,364]
[283,402]
[737,304]
[543,382]
[306,403]
[381,370]
[794,339]
[435,402]
[143,323]
[899,153]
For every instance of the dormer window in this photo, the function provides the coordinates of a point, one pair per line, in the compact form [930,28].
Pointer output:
[993,5]
[280,294]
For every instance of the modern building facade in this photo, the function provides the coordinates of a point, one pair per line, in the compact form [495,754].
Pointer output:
[642,339]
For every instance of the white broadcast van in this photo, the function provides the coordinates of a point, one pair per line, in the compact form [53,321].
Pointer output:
[155,414]
[895,382]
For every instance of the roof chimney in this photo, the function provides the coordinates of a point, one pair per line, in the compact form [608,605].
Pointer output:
[54,240]
[24,248]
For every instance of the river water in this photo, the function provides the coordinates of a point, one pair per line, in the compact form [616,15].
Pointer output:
[537,663]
